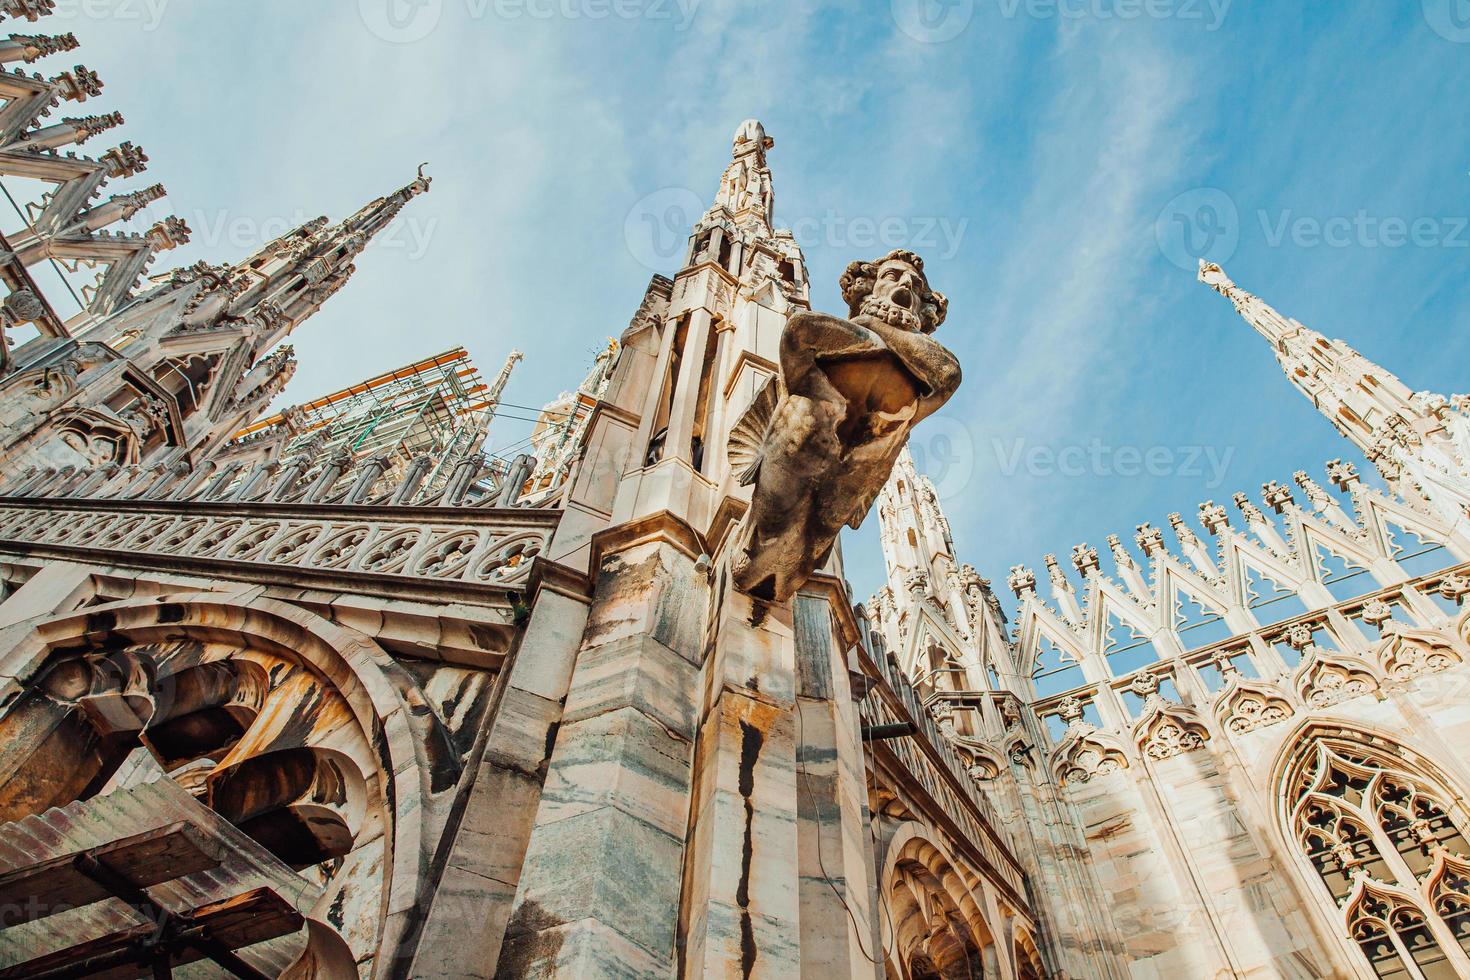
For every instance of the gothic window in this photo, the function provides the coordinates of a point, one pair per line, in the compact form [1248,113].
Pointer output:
[1388,844]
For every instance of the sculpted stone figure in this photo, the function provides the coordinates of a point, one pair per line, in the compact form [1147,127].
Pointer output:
[820,440]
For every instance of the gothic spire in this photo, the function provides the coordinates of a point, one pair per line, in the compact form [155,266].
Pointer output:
[288,280]
[1419,442]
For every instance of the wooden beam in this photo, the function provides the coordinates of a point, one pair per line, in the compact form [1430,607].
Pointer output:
[58,884]
[229,924]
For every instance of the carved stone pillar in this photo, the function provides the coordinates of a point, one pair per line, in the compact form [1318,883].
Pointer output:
[368,474]
[599,892]
[686,388]
[780,863]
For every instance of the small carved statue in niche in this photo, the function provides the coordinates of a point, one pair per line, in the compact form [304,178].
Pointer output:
[819,441]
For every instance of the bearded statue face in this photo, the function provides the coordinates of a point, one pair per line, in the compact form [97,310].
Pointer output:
[895,291]
[896,296]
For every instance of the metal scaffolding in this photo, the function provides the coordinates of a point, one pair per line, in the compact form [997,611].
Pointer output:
[439,407]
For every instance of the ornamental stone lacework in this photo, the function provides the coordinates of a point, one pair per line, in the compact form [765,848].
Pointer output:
[1252,631]
[1385,837]
[477,548]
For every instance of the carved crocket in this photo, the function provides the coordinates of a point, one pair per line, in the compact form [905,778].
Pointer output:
[820,440]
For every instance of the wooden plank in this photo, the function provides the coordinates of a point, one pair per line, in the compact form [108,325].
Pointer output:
[56,885]
[236,922]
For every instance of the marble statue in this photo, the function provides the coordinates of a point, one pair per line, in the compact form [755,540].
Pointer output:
[819,441]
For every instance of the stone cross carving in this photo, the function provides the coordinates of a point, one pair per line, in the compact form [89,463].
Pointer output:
[820,439]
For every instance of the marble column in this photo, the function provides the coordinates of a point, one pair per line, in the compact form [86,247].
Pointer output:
[599,893]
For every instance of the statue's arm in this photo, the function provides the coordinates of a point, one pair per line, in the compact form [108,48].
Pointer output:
[928,360]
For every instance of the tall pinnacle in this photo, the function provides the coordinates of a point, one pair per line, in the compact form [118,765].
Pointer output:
[745,189]
[375,216]
[1419,442]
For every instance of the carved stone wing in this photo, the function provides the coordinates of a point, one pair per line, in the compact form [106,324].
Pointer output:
[747,439]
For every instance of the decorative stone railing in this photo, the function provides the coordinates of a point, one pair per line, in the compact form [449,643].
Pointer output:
[1274,563]
[411,551]
[1370,645]
[933,764]
[343,479]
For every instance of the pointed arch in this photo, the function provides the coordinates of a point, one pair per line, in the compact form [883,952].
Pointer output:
[1086,752]
[1381,836]
[1167,730]
[1245,705]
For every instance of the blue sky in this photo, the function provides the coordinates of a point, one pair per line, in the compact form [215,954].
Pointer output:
[1038,154]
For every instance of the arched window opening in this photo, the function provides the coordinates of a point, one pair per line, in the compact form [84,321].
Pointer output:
[1388,843]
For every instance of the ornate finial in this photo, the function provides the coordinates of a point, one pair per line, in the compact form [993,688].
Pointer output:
[169,233]
[1300,637]
[1454,587]
[1182,531]
[1226,665]
[39,45]
[1150,539]
[1213,276]
[1343,475]
[943,713]
[125,160]
[138,200]
[1084,559]
[1144,684]
[88,126]
[917,585]
[1054,572]
[1314,493]
[1121,557]
[78,84]
[1070,710]
[751,138]
[1377,612]
[1276,495]
[1252,513]
[1213,517]
[1021,580]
